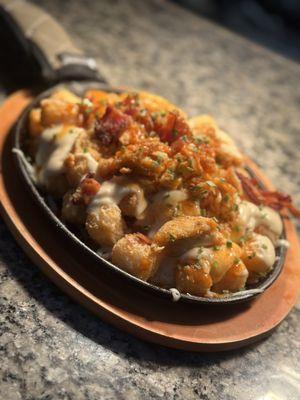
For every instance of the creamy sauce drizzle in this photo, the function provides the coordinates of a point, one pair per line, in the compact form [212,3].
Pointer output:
[264,250]
[54,145]
[171,197]
[111,193]
[263,219]
[196,253]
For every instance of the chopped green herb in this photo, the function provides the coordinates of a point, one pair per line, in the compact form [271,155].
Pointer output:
[264,246]
[143,112]
[203,194]
[236,260]
[163,113]
[200,250]
[216,248]
[88,110]
[211,184]
[252,255]
[203,212]
[215,264]
[229,244]
[184,138]
[235,207]
[226,198]
[85,150]
[223,180]
[172,238]
[175,133]
[154,115]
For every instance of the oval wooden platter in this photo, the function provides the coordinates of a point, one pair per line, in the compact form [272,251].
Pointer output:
[158,320]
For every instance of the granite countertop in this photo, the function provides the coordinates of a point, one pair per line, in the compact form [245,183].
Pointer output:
[51,348]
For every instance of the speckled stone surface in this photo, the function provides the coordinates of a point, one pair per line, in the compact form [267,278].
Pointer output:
[51,348]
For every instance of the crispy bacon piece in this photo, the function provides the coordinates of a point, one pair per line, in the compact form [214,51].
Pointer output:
[142,116]
[273,199]
[173,127]
[111,125]
[90,186]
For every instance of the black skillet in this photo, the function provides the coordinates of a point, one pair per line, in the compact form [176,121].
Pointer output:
[59,63]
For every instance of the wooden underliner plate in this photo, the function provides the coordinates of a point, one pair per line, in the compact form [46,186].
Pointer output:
[178,325]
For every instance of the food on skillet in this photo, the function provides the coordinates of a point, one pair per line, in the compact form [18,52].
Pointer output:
[164,197]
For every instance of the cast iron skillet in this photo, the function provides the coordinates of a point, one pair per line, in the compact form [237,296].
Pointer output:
[77,73]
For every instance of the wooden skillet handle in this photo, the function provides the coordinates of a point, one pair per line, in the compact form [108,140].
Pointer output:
[46,41]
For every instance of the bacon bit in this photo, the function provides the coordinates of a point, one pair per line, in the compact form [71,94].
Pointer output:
[273,199]
[174,127]
[143,238]
[89,187]
[111,125]
[131,101]
[142,116]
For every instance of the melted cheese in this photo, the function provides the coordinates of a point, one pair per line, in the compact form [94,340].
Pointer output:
[263,253]
[54,145]
[261,219]
[171,197]
[111,193]
[199,254]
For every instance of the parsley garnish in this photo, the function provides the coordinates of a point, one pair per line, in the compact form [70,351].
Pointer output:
[229,244]
[172,237]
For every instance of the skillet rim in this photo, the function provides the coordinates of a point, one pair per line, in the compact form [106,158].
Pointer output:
[79,88]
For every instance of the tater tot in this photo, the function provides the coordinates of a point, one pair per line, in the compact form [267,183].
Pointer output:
[193,280]
[234,279]
[71,211]
[105,226]
[136,255]
[223,259]
[186,227]
[258,256]
[55,111]
[34,122]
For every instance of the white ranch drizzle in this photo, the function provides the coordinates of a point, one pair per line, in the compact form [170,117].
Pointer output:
[54,145]
[175,294]
[283,242]
[262,219]
[111,193]
[196,253]
[264,250]
[171,197]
